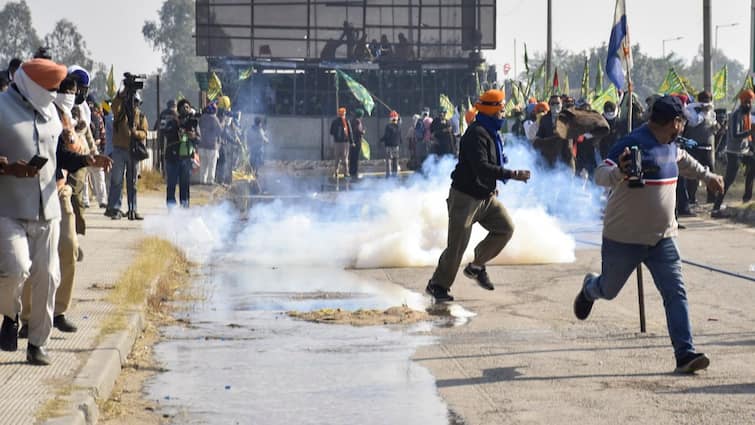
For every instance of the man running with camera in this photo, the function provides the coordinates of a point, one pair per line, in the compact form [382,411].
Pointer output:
[639,224]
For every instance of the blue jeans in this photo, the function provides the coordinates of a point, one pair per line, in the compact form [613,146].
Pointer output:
[178,171]
[665,264]
[122,163]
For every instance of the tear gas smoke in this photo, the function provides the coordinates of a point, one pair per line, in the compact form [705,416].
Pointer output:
[389,225]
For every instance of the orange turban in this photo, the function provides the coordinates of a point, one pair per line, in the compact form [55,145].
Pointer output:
[45,72]
[490,102]
[746,94]
[542,107]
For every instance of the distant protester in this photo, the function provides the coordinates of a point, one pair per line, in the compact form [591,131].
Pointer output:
[343,140]
[392,140]
[209,143]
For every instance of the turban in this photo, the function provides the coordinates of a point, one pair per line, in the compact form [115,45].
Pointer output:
[46,73]
[490,102]
[746,94]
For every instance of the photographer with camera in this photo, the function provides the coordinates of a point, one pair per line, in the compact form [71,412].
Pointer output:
[129,135]
[181,140]
[639,224]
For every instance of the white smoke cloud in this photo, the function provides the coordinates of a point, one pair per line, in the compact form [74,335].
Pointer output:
[386,224]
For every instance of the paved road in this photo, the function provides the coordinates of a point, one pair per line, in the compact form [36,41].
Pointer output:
[525,359]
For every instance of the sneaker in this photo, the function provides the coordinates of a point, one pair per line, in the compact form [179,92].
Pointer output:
[63,324]
[116,215]
[582,305]
[37,355]
[23,333]
[720,214]
[439,294]
[9,334]
[691,363]
[103,206]
[109,212]
[480,275]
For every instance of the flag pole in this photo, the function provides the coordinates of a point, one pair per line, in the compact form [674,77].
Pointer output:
[640,289]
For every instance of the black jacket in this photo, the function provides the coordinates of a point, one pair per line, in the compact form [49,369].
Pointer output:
[338,132]
[392,135]
[478,170]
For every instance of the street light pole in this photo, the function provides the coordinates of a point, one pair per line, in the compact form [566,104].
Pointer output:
[707,65]
[549,42]
[670,39]
[715,42]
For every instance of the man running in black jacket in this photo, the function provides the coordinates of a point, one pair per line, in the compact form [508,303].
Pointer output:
[472,199]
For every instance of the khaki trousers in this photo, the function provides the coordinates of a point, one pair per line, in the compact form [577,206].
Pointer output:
[341,151]
[29,252]
[463,212]
[68,247]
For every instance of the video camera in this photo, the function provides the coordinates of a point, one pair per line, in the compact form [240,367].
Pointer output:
[637,170]
[132,82]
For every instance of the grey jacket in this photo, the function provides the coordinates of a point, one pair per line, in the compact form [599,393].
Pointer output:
[25,133]
[737,140]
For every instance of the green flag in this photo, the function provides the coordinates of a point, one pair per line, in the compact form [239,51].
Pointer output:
[599,79]
[672,83]
[516,94]
[245,74]
[608,94]
[526,60]
[110,84]
[720,83]
[214,87]
[585,90]
[535,79]
[446,104]
[358,90]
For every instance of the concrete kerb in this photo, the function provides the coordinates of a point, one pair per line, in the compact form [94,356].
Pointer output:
[97,377]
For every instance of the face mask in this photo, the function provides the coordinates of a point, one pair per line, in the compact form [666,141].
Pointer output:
[609,115]
[40,98]
[65,101]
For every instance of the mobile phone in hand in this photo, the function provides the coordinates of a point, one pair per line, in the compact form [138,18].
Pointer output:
[37,162]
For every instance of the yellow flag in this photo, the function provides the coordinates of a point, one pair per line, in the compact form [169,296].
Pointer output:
[110,86]
[446,104]
[214,87]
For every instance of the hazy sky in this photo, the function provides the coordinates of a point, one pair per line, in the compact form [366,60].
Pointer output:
[112,29]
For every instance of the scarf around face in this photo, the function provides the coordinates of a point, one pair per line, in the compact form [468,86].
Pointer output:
[493,126]
[40,98]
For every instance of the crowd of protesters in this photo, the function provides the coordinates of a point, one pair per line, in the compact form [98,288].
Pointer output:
[63,152]
[719,141]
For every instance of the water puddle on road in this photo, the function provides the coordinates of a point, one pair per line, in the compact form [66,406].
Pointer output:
[242,360]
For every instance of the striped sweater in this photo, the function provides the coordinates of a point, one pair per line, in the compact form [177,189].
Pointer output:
[645,215]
